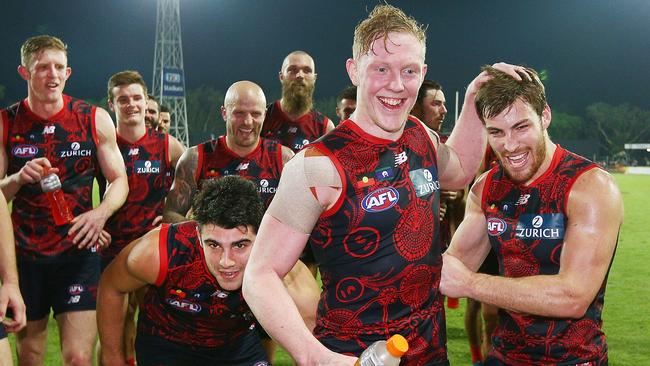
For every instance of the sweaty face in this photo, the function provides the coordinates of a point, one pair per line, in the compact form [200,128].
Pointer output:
[387,79]
[298,82]
[517,136]
[151,114]
[226,253]
[345,108]
[244,117]
[46,75]
[434,109]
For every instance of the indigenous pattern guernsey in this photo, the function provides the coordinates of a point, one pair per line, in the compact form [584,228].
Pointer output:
[526,227]
[293,134]
[69,141]
[148,170]
[263,166]
[378,248]
[186,304]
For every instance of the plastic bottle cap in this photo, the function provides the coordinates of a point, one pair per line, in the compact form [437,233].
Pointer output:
[397,345]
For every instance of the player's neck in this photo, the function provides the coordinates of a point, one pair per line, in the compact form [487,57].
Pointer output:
[44,109]
[294,115]
[241,151]
[131,132]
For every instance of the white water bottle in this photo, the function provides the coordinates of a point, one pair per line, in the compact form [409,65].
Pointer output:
[384,353]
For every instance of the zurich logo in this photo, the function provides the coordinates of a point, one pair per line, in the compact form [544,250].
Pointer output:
[25,151]
[496,227]
[380,199]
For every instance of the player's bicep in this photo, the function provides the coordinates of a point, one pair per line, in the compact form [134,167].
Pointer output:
[184,185]
[470,242]
[108,154]
[592,231]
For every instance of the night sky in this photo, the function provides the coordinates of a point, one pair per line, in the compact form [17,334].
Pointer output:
[593,50]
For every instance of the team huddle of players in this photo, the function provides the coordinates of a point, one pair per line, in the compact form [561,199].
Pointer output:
[218,244]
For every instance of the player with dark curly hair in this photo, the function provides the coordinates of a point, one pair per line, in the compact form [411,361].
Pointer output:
[193,311]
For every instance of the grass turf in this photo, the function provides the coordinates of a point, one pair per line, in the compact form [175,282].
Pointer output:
[626,319]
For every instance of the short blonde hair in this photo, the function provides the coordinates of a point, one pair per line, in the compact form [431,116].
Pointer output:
[383,20]
[36,44]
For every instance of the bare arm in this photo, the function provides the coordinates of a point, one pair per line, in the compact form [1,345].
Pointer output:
[278,246]
[330,126]
[136,266]
[589,244]
[179,198]
[176,150]
[9,291]
[470,242]
[88,226]
[460,157]
[287,154]
[304,291]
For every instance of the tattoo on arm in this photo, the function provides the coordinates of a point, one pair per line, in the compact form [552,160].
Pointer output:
[179,198]
[287,154]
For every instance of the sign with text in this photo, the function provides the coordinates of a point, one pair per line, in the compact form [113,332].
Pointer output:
[173,83]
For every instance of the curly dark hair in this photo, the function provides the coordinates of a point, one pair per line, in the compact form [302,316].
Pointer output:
[228,202]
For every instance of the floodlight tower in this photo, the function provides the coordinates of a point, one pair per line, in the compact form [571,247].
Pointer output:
[168,75]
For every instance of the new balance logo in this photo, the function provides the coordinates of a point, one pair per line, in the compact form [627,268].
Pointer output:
[49,130]
[401,158]
[134,151]
[523,199]
[242,166]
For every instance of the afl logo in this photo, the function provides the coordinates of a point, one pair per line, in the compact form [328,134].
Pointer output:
[380,199]
[496,227]
[25,151]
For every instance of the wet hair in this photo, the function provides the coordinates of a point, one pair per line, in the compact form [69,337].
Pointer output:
[425,87]
[36,44]
[350,92]
[383,20]
[126,77]
[502,91]
[163,108]
[228,202]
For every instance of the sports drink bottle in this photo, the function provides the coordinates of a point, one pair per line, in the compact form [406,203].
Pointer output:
[384,353]
[51,186]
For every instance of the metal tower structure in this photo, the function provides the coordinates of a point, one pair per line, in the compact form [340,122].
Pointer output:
[168,75]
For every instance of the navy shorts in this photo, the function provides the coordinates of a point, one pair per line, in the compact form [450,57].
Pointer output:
[3,332]
[61,284]
[490,264]
[153,350]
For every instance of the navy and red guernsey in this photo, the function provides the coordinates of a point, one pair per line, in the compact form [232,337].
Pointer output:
[378,249]
[186,304]
[69,141]
[294,134]
[148,170]
[526,227]
[263,166]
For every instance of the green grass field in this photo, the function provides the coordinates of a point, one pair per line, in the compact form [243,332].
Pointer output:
[627,301]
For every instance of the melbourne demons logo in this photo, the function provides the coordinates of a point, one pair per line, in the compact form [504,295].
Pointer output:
[380,199]
[24,151]
[496,227]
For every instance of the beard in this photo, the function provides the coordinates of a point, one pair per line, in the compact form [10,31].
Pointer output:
[538,156]
[297,96]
